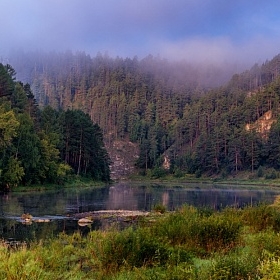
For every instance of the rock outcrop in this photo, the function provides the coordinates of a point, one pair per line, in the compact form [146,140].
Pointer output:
[123,155]
[263,124]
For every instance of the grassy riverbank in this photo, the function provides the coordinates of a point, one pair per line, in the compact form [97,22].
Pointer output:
[72,182]
[247,179]
[186,244]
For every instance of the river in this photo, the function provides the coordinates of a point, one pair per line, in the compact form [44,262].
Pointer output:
[58,205]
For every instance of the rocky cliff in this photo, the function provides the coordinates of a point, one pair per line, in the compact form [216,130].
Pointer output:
[123,155]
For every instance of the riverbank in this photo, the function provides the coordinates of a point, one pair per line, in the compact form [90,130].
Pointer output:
[244,179]
[186,244]
[73,182]
[241,181]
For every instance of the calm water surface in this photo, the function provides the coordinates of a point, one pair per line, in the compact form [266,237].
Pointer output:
[59,204]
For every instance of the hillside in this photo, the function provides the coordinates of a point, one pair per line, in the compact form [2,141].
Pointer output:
[163,109]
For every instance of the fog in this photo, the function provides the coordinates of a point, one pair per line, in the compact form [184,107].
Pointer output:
[208,32]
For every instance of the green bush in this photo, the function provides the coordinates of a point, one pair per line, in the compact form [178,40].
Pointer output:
[260,172]
[216,232]
[271,175]
[265,241]
[158,172]
[175,227]
[261,217]
[237,265]
[269,268]
[200,231]
[159,208]
[178,173]
[133,248]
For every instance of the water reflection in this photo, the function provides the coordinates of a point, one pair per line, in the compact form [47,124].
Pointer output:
[59,204]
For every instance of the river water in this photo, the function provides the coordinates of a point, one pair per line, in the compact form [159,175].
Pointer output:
[58,205]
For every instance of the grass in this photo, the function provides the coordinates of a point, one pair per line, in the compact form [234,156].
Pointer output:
[73,181]
[245,178]
[189,243]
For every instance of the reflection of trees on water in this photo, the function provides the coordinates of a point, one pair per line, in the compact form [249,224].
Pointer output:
[122,197]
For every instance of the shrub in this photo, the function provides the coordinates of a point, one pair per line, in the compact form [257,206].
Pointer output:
[216,232]
[269,268]
[133,248]
[175,228]
[199,231]
[272,175]
[159,208]
[260,172]
[238,265]
[178,173]
[261,217]
[265,241]
[158,172]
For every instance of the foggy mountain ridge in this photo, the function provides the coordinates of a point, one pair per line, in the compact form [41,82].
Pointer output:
[206,75]
[162,108]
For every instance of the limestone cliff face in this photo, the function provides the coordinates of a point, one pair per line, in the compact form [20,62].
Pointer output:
[263,124]
[123,155]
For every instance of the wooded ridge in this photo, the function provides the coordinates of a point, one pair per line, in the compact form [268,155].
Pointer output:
[166,108]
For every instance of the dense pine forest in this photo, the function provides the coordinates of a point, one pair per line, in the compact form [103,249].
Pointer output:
[173,111]
[45,145]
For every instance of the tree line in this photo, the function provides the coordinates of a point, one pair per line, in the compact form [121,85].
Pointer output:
[164,107]
[45,145]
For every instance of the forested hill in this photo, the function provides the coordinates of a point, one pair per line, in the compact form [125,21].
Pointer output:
[166,109]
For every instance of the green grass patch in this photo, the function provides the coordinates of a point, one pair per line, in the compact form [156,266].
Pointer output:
[71,182]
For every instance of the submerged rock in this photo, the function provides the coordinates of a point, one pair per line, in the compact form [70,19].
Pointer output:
[84,221]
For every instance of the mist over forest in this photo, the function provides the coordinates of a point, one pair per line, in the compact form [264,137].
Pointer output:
[195,118]
[203,74]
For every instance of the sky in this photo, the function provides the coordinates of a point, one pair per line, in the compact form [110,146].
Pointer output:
[201,31]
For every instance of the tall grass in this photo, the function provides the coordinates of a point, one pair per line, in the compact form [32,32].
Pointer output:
[186,244]
[198,231]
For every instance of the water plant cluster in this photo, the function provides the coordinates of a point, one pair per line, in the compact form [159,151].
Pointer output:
[189,243]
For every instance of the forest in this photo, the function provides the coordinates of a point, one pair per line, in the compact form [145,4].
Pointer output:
[170,109]
[44,145]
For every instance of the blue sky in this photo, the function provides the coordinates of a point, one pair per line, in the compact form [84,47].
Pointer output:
[212,31]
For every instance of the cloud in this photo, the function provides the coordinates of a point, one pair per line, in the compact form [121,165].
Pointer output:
[221,50]
[211,31]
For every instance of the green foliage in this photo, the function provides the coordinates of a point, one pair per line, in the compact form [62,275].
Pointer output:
[134,248]
[262,217]
[159,208]
[13,173]
[157,104]
[271,174]
[198,231]
[8,127]
[260,172]
[83,147]
[32,141]
[152,102]
[158,172]
[238,265]
[269,268]
[186,244]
